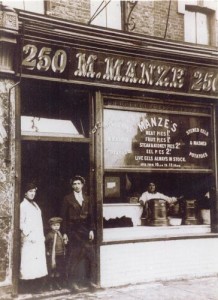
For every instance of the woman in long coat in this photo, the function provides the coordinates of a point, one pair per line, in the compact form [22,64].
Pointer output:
[33,256]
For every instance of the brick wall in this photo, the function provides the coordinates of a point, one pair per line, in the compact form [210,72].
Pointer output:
[131,263]
[175,21]
[144,18]
[71,10]
[150,17]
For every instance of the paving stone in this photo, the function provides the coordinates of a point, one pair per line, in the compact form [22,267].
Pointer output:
[195,289]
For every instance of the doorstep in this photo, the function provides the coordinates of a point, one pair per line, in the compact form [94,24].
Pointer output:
[44,295]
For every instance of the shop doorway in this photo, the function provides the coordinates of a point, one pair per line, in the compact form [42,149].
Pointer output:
[55,143]
[51,165]
[55,127]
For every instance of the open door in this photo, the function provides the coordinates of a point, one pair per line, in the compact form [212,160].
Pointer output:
[51,165]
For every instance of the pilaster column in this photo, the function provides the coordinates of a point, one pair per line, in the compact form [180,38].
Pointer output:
[214,204]
[8,50]
[8,35]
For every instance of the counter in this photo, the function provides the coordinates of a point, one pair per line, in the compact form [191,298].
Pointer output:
[118,210]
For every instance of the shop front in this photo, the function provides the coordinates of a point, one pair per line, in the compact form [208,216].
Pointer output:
[123,111]
[167,143]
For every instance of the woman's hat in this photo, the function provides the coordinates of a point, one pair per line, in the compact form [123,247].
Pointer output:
[55,220]
[30,186]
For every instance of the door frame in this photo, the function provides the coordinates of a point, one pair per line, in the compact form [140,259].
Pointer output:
[18,176]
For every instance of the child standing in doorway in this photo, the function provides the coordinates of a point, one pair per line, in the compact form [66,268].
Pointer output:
[55,246]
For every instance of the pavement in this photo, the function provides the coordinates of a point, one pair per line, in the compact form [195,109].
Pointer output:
[193,289]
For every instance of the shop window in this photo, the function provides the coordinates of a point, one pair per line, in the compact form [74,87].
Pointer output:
[36,6]
[170,148]
[156,140]
[106,13]
[197,29]
[122,191]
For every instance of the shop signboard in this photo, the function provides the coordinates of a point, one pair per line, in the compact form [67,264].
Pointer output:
[156,140]
[109,68]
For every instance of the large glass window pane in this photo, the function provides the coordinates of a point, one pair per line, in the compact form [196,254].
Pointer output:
[108,13]
[114,15]
[202,29]
[190,33]
[99,19]
[36,6]
[196,28]
[155,140]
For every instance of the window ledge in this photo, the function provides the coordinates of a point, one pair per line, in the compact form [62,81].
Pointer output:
[140,233]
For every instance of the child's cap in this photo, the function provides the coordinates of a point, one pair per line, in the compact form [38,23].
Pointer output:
[55,220]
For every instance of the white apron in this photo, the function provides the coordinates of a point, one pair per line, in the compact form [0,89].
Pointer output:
[33,258]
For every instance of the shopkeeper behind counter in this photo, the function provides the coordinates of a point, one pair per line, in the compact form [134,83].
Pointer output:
[151,193]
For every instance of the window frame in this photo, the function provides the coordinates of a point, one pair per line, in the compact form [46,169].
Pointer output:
[11,3]
[211,15]
[122,16]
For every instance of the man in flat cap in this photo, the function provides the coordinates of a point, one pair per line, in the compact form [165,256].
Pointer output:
[78,225]
[33,265]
